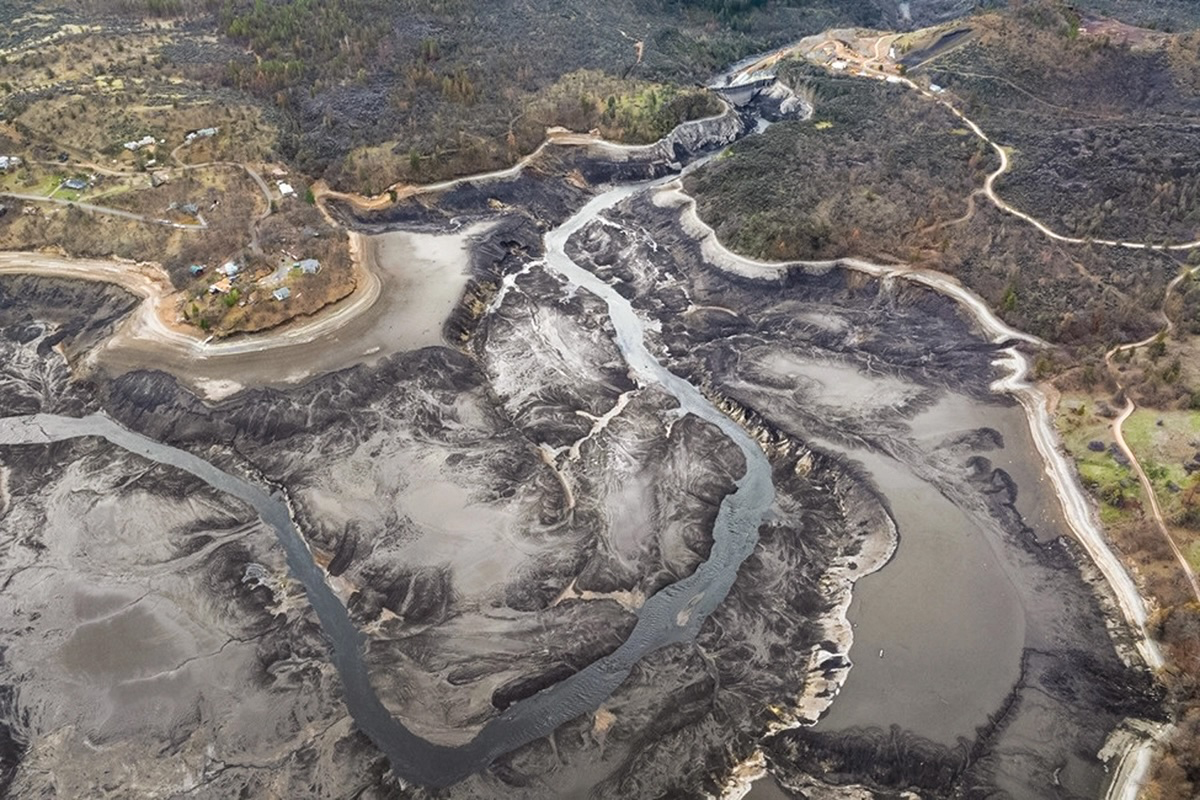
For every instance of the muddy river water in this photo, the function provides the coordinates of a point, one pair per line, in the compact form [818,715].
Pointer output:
[674,614]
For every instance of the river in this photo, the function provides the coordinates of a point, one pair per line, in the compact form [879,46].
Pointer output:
[673,615]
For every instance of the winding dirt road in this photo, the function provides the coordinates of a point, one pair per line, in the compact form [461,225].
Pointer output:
[200,225]
[878,67]
[1119,434]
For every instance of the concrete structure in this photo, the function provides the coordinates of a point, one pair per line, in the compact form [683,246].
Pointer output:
[745,88]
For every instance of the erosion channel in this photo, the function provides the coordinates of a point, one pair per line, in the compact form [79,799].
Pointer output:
[612,523]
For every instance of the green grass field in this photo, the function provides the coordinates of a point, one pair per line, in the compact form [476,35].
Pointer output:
[1079,425]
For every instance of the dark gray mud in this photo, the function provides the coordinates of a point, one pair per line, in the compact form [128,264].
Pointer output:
[604,570]
[522,549]
[982,656]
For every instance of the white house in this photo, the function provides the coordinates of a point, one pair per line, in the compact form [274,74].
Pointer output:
[145,141]
[285,189]
[203,133]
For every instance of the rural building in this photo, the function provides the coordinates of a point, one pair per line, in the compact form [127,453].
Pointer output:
[196,269]
[9,162]
[282,293]
[145,141]
[229,269]
[75,184]
[285,189]
[220,287]
[309,266]
[203,133]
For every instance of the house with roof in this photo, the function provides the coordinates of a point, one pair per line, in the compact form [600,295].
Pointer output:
[145,141]
[75,184]
[282,293]
[195,270]
[309,266]
[9,162]
[203,133]
[229,269]
[220,287]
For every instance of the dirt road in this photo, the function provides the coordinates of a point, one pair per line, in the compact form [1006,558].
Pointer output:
[200,225]
[1119,435]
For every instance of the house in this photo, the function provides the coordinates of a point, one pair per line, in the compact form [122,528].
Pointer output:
[157,179]
[282,293]
[9,162]
[220,287]
[203,133]
[838,65]
[285,189]
[145,141]
[229,269]
[933,87]
[309,266]
[195,269]
[191,209]
[75,184]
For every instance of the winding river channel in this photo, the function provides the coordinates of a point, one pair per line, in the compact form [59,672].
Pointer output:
[673,615]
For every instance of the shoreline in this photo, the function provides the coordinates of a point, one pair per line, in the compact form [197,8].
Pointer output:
[1077,509]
